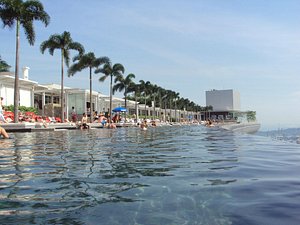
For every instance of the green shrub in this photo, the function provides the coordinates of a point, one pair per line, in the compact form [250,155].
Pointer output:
[251,116]
[21,108]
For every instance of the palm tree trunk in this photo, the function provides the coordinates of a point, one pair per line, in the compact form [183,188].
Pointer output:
[160,108]
[90,94]
[62,87]
[125,95]
[145,108]
[136,108]
[175,110]
[110,98]
[154,113]
[165,110]
[170,111]
[17,90]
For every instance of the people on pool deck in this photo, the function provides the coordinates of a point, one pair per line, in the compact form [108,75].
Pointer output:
[1,111]
[73,115]
[116,118]
[102,119]
[84,122]
[3,132]
[95,116]
[110,123]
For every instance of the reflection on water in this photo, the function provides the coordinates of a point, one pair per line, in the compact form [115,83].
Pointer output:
[165,175]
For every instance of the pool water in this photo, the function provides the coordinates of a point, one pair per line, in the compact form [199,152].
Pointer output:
[164,175]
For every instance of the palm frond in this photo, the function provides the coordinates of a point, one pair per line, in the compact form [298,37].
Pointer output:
[118,67]
[8,13]
[101,60]
[78,47]
[35,11]
[103,78]
[76,67]
[29,31]
[52,43]
[4,67]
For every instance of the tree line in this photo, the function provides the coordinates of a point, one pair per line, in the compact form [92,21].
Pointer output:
[24,13]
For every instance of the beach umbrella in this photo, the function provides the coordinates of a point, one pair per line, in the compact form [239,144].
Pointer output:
[119,109]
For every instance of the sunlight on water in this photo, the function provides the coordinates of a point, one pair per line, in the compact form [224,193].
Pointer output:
[165,175]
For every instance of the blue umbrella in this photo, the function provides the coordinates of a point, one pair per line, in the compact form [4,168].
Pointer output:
[119,109]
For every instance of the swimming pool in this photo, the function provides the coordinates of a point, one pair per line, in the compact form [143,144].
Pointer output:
[165,175]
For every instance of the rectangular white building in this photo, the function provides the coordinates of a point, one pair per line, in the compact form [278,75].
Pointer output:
[223,100]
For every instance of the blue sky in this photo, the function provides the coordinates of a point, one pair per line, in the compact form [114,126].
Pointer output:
[188,46]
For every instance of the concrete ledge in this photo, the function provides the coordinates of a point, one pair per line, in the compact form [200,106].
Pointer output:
[20,127]
[36,127]
[42,129]
[61,126]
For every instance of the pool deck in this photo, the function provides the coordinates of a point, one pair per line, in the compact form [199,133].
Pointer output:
[36,127]
[252,127]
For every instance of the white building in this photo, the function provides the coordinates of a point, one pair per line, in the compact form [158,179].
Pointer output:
[7,82]
[223,100]
[46,99]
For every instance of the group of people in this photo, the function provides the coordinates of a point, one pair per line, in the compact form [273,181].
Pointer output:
[83,123]
[144,125]
[106,122]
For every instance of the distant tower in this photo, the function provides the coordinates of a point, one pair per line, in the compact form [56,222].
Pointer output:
[223,100]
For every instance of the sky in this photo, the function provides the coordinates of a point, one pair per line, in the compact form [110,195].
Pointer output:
[188,46]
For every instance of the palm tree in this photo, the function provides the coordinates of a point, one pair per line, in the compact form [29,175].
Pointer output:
[154,90]
[180,104]
[186,102]
[4,67]
[171,98]
[65,43]
[145,86]
[111,71]
[23,14]
[133,87]
[162,97]
[90,61]
[176,97]
[124,84]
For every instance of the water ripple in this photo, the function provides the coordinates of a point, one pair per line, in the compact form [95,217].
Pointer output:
[165,175]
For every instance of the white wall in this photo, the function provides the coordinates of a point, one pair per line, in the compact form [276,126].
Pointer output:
[223,100]
[8,94]
[25,97]
[236,100]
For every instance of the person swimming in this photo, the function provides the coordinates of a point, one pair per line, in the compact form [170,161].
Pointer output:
[144,125]
[209,123]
